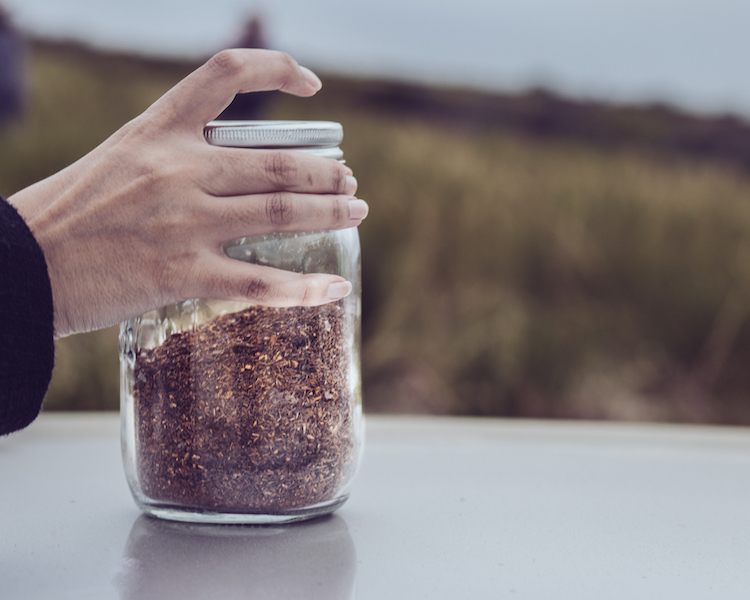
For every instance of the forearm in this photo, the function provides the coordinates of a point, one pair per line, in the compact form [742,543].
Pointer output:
[26,323]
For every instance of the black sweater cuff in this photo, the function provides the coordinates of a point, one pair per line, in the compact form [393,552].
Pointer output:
[27,348]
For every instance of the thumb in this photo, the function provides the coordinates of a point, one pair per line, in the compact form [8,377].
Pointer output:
[207,91]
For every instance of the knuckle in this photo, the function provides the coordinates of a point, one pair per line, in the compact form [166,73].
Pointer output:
[286,62]
[339,212]
[257,289]
[280,209]
[226,62]
[308,293]
[181,274]
[339,180]
[281,168]
[158,179]
[150,177]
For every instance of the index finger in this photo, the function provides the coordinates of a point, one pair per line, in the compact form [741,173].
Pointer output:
[207,91]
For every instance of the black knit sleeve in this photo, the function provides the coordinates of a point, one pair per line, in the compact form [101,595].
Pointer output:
[27,349]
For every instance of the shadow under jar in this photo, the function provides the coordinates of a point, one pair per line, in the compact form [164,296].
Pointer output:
[238,413]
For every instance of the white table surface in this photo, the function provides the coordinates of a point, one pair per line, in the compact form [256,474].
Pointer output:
[441,508]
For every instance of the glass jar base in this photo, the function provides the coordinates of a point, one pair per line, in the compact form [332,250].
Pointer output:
[190,515]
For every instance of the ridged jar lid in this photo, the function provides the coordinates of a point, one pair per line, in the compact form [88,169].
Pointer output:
[318,137]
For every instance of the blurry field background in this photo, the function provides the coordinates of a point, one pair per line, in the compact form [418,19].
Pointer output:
[524,255]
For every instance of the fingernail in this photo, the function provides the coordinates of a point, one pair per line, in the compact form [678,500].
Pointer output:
[348,171]
[358,209]
[351,185]
[312,78]
[339,290]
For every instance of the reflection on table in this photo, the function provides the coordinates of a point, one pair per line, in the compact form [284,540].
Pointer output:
[311,560]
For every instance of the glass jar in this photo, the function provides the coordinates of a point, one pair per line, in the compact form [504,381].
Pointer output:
[235,412]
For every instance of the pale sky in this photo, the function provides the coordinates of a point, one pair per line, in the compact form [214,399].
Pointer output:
[694,53]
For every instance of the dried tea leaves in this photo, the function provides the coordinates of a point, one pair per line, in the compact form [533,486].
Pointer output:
[250,412]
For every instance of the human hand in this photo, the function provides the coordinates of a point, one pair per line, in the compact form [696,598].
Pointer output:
[139,222]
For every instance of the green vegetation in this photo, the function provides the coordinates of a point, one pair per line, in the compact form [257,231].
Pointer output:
[504,274]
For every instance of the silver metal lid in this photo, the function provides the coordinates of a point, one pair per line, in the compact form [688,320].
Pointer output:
[317,137]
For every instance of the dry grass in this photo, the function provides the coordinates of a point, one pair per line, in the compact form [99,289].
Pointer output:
[502,275]
[515,278]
